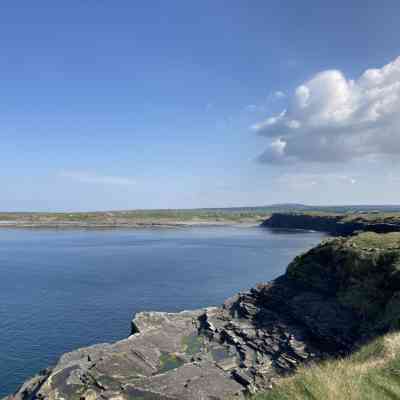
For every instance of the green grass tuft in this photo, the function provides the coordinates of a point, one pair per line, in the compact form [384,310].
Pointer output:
[372,373]
[169,361]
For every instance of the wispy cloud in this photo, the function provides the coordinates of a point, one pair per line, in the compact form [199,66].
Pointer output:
[251,107]
[299,180]
[271,100]
[256,108]
[279,94]
[92,178]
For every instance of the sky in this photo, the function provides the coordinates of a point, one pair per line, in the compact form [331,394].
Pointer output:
[183,104]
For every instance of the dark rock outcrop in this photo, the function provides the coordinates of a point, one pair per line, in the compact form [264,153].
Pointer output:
[331,299]
[335,224]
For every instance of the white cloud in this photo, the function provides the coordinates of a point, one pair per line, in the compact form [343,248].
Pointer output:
[88,177]
[256,108]
[279,94]
[251,107]
[331,118]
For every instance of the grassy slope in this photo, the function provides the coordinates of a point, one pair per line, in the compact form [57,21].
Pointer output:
[362,272]
[367,281]
[371,373]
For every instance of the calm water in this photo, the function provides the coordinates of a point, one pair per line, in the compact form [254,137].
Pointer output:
[60,290]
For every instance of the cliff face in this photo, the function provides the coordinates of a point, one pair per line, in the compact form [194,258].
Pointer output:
[335,224]
[331,299]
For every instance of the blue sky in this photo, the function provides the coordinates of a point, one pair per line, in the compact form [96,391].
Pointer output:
[156,104]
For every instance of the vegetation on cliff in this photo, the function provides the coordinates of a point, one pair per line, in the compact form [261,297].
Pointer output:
[343,224]
[363,273]
[371,373]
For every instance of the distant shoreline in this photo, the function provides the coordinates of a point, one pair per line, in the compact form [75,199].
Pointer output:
[337,223]
[134,219]
[130,225]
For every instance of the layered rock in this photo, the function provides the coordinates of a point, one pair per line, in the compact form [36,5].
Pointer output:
[332,298]
[335,224]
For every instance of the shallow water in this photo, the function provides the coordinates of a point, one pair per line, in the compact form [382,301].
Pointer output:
[63,289]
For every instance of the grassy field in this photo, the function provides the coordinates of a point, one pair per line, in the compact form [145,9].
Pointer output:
[218,215]
[138,217]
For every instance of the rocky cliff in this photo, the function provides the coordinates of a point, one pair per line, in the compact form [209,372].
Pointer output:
[331,299]
[335,224]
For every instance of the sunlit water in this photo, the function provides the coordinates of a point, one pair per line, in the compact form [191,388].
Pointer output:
[60,290]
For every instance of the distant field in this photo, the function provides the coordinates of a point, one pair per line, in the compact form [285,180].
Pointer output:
[193,216]
[135,217]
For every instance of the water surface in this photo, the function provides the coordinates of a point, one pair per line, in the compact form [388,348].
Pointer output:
[64,289]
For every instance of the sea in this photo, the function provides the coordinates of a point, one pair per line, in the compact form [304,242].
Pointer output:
[69,288]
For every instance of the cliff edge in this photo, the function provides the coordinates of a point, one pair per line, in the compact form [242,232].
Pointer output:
[331,300]
[335,224]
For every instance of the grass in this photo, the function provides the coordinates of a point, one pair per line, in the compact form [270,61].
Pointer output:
[351,215]
[361,272]
[140,216]
[371,373]
[169,361]
[192,344]
[232,214]
[376,241]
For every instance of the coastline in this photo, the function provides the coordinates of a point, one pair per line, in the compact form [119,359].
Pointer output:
[128,225]
[132,219]
[335,224]
[250,343]
[218,351]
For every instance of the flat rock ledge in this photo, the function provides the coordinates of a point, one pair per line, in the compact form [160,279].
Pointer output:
[216,353]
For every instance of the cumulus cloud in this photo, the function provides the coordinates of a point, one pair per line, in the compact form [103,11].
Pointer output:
[87,177]
[331,118]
